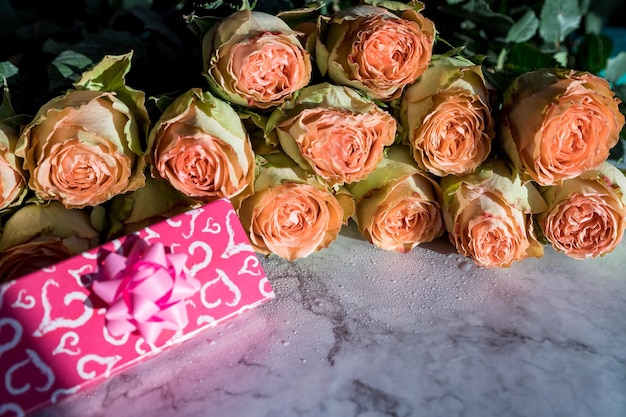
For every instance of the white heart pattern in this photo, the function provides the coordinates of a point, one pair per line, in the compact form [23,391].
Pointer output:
[70,338]
[48,324]
[17,334]
[108,362]
[24,301]
[208,255]
[222,277]
[251,266]
[233,247]
[11,408]
[45,370]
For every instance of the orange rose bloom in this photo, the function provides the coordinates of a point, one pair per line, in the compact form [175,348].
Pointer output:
[488,215]
[201,147]
[291,214]
[398,205]
[447,118]
[12,181]
[586,215]
[341,138]
[77,149]
[291,220]
[557,124]
[374,50]
[30,257]
[255,60]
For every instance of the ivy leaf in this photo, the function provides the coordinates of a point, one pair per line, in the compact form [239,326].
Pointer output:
[523,29]
[559,18]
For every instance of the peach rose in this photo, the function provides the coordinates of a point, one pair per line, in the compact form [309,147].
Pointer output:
[333,131]
[398,205]
[30,257]
[446,116]
[254,59]
[290,214]
[86,146]
[488,215]
[37,236]
[78,149]
[586,215]
[374,50]
[200,146]
[557,124]
[12,181]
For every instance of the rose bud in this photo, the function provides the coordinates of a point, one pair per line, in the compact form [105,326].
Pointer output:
[557,124]
[12,181]
[374,50]
[398,205]
[586,215]
[200,146]
[86,146]
[334,131]
[37,236]
[447,119]
[291,213]
[488,215]
[254,59]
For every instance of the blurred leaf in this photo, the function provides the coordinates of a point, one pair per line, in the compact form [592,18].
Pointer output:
[480,13]
[616,68]
[127,4]
[593,52]
[523,29]
[559,18]
[593,23]
[524,57]
[7,17]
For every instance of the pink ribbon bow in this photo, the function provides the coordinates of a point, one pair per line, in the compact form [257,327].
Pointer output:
[146,290]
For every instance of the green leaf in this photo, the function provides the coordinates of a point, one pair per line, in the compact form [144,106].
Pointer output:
[616,68]
[593,23]
[593,52]
[66,68]
[559,18]
[524,57]
[390,4]
[523,29]
[7,70]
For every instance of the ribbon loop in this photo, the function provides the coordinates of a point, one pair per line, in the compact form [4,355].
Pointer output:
[146,290]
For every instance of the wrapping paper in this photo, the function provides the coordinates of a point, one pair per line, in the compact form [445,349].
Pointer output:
[57,336]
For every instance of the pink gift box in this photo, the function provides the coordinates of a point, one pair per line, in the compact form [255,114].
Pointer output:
[55,332]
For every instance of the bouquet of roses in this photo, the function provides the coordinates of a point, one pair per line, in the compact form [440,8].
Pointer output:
[310,119]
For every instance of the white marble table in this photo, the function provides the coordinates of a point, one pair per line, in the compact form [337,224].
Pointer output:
[355,331]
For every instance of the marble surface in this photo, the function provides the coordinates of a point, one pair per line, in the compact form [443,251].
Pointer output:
[356,331]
